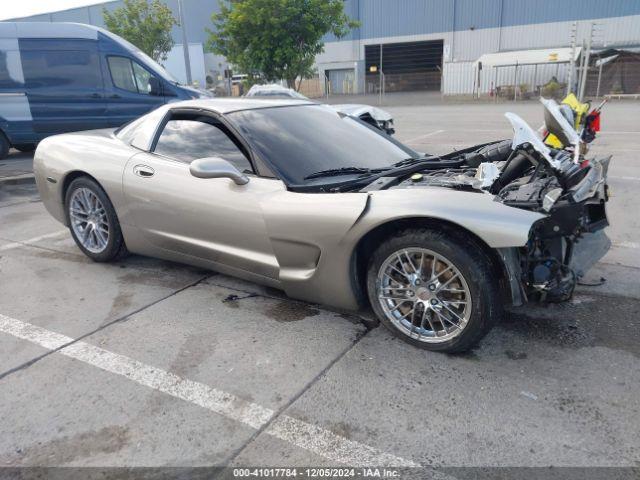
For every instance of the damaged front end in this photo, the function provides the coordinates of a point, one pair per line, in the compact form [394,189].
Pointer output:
[570,190]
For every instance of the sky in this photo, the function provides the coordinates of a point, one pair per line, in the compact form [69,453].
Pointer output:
[23,8]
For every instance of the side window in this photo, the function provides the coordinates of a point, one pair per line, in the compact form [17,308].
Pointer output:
[142,79]
[10,67]
[122,73]
[188,140]
[66,69]
[128,75]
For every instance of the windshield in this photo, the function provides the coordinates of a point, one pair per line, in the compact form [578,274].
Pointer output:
[299,141]
[159,69]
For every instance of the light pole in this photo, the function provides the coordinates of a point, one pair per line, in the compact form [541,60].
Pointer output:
[185,43]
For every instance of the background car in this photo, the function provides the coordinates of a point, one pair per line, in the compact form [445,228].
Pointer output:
[377,117]
[65,77]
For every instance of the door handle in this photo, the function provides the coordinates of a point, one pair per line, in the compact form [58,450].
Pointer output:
[115,95]
[95,95]
[143,171]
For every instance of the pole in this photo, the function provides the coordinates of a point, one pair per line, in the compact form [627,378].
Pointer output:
[381,80]
[572,60]
[185,43]
[515,83]
[599,79]
[585,69]
[580,69]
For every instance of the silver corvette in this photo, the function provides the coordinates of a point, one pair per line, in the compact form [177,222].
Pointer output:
[299,197]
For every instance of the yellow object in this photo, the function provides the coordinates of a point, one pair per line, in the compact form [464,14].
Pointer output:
[580,111]
[416,177]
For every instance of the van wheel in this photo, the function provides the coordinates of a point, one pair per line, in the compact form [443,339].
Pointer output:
[4,146]
[25,147]
[93,221]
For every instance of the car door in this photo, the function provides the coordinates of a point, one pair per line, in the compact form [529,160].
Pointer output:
[128,89]
[213,219]
[63,83]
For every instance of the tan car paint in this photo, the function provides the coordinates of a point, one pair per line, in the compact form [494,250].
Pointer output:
[214,218]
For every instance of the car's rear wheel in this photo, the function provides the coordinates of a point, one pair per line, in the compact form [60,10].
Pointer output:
[93,221]
[433,289]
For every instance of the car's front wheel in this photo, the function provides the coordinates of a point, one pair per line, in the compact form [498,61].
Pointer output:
[93,221]
[434,289]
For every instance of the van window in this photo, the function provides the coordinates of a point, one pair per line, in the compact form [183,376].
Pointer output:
[188,140]
[142,78]
[128,75]
[10,69]
[76,69]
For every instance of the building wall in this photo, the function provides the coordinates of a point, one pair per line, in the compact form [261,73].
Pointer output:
[469,28]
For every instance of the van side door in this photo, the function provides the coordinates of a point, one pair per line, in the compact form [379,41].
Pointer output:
[63,84]
[129,89]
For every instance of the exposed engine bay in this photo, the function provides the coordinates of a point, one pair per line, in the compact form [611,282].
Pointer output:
[569,189]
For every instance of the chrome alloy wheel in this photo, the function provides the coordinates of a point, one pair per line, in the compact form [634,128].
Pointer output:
[424,295]
[89,220]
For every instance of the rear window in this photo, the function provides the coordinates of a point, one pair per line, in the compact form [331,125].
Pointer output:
[140,132]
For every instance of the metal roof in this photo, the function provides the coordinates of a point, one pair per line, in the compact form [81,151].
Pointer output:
[528,57]
[48,30]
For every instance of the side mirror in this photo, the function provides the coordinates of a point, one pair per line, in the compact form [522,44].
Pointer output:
[155,88]
[214,167]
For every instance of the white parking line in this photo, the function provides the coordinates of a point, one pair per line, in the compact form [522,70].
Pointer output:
[637,179]
[29,241]
[301,434]
[634,245]
[424,136]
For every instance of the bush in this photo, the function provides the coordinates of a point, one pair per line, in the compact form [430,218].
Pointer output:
[552,89]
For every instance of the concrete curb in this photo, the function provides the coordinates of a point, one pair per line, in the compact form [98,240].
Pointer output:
[18,179]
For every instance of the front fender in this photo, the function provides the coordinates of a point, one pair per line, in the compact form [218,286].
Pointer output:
[498,225]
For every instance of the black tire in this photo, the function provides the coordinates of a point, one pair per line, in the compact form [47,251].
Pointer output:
[25,147]
[470,260]
[115,248]
[4,146]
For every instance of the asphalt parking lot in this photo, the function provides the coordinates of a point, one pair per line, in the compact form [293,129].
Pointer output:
[148,363]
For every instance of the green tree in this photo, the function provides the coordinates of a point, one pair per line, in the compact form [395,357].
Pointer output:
[277,39]
[145,24]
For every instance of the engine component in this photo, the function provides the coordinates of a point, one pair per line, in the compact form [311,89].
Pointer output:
[515,168]
[496,152]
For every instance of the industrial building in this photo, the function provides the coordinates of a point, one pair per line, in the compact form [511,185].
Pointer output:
[427,44]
